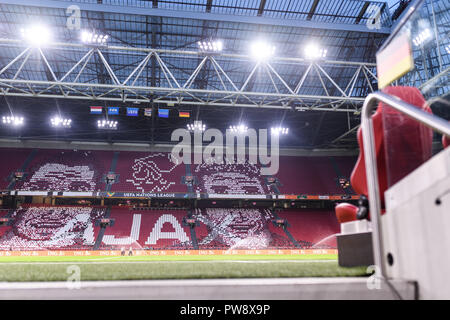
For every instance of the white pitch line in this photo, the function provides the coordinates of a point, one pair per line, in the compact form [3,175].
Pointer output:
[160,261]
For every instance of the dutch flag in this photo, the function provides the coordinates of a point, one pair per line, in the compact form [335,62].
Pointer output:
[96,110]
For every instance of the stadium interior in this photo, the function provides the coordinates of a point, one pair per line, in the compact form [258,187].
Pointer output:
[353,95]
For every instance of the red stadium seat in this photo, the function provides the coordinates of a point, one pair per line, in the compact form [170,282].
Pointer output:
[401,145]
[346,212]
[445,141]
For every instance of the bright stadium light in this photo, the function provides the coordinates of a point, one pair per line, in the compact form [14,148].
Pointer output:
[279,131]
[261,50]
[94,38]
[59,122]
[422,37]
[36,35]
[241,128]
[312,51]
[107,124]
[210,46]
[12,121]
[196,126]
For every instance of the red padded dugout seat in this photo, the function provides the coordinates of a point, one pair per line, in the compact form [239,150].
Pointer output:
[401,145]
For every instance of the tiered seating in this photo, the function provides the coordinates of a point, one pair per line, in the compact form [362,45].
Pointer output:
[4,229]
[229,178]
[312,226]
[309,175]
[148,172]
[234,228]
[66,170]
[67,227]
[156,229]
[279,237]
[10,161]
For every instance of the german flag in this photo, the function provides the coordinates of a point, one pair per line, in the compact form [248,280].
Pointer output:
[184,114]
[394,61]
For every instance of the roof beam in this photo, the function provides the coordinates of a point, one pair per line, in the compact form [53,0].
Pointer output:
[261,7]
[362,12]
[208,5]
[127,10]
[312,10]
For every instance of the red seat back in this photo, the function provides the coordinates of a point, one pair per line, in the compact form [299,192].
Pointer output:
[401,143]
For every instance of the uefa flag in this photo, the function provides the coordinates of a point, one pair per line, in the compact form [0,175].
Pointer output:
[132,112]
[113,110]
[96,110]
[148,112]
[163,113]
[184,114]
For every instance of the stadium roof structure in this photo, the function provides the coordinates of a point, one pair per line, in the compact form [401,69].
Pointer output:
[152,59]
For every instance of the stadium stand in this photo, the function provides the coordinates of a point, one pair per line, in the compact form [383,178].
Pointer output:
[46,227]
[66,170]
[148,172]
[4,228]
[74,227]
[239,229]
[11,163]
[279,238]
[155,229]
[229,178]
[311,175]
[72,170]
[312,226]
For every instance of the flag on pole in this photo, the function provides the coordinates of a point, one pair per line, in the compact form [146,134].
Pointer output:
[163,113]
[96,110]
[184,114]
[113,110]
[148,112]
[132,112]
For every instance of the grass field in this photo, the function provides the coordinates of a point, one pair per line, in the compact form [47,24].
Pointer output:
[173,267]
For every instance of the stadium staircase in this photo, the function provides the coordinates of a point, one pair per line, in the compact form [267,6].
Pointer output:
[113,168]
[193,234]
[288,234]
[286,231]
[190,186]
[101,233]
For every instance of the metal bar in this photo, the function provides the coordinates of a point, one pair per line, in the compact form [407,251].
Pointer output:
[14,60]
[370,104]
[108,68]
[196,15]
[331,80]
[345,134]
[63,45]
[141,64]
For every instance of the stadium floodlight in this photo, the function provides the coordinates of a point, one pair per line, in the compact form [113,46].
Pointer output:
[241,128]
[422,37]
[196,126]
[94,38]
[312,51]
[59,122]
[107,124]
[36,35]
[261,50]
[13,121]
[279,130]
[210,46]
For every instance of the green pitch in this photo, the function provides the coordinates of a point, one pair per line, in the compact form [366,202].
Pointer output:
[173,267]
